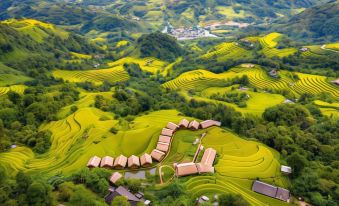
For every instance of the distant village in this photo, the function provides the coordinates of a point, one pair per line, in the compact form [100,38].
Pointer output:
[186,33]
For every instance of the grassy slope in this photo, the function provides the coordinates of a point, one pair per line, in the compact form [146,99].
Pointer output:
[9,76]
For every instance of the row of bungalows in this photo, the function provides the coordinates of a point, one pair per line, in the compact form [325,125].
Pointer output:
[120,162]
[271,191]
[167,133]
[204,166]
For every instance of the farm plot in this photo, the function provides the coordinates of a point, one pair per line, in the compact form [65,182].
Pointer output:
[84,134]
[15,88]
[149,64]
[199,79]
[314,84]
[240,162]
[270,41]
[114,74]
[225,51]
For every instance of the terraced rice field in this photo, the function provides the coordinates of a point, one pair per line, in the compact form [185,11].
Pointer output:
[149,64]
[270,41]
[334,46]
[307,83]
[314,84]
[114,74]
[15,88]
[33,27]
[198,79]
[240,163]
[81,56]
[225,51]
[328,109]
[84,134]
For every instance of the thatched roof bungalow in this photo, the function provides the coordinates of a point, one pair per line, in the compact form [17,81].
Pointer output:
[194,125]
[116,176]
[164,139]
[157,155]
[167,132]
[163,147]
[202,168]
[185,169]
[209,123]
[120,162]
[209,157]
[94,162]
[172,126]
[184,123]
[145,160]
[133,162]
[107,162]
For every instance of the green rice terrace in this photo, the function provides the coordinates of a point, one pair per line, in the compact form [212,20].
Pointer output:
[100,108]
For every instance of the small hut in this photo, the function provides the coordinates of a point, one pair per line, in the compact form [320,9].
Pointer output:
[94,162]
[116,176]
[164,139]
[146,160]
[157,155]
[163,147]
[336,82]
[184,123]
[167,132]
[107,162]
[208,157]
[194,125]
[120,162]
[185,169]
[133,162]
[209,123]
[172,126]
[286,169]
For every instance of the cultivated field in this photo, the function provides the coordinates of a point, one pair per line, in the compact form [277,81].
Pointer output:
[15,88]
[239,163]
[113,74]
[225,51]
[149,64]
[270,41]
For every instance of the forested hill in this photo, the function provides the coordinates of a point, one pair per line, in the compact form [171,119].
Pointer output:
[26,43]
[319,23]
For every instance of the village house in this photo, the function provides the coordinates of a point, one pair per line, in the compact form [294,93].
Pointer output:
[164,139]
[116,176]
[273,73]
[286,169]
[133,199]
[120,162]
[133,162]
[167,132]
[157,155]
[107,162]
[335,82]
[303,49]
[209,123]
[172,126]
[209,157]
[184,123]
[164,147]
[271,191]
[94,162]
[145,160]
[185,169]
[194,125]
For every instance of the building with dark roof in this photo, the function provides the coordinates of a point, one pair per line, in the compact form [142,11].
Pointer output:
[122,191]
[271,191]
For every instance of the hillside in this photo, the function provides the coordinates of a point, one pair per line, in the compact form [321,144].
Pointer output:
[317,24]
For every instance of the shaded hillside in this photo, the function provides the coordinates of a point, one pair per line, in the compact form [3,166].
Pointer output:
[25,45]
[159,45]
[317,24]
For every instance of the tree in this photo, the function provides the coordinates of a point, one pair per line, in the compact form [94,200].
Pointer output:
[297,162]
[120,201]
[232,200]
[39,194]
